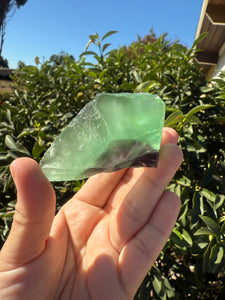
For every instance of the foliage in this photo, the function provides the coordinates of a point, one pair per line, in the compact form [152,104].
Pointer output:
[49,95]
[20,64]
[3,62]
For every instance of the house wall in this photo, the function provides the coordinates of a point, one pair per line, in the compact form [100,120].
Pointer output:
[221,62]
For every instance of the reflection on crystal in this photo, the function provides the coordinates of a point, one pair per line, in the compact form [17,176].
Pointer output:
[111,132]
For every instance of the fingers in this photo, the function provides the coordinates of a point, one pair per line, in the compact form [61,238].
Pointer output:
[103,184]
[169,136]
[142,250]
[33,216]
[98,188]
[139,203]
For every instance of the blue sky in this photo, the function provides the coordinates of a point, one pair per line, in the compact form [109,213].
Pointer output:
[45,27]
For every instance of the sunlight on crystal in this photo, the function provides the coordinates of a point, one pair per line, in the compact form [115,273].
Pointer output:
[111,132]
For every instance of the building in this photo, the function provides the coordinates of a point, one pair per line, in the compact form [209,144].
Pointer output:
[5,73]
[212,20]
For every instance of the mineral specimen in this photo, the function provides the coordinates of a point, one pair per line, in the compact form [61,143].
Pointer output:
[111,132]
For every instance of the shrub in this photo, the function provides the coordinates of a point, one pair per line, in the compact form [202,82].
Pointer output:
[48,96]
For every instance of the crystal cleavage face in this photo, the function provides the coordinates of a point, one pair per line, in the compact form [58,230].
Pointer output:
[111,132]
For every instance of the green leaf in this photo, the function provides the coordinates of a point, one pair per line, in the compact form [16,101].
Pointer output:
[126,86]
[220,120]
[206,89]
[8,116]
[204,231]
[146,86]
[183,212]
[169,289]
[3,157]
[26,132]
[219,201]
[10,143]
[170,78]
[184,181]
[38,148]
[206,255]
[199,39]
[142,86]
[136,75]
[211,224]
[105,46]
[208,195]
[173,118]
[187,237]
[210,208]
[195,120]
[3,171]
[216,257]
[94,37]
[88,44]
[222,229]
[177,238]
[158,283]
[197,209]
[196,110]
[202,245]
[7,181]
[15,153]
[6,215]
[108,34]
[88,53]
[159,287]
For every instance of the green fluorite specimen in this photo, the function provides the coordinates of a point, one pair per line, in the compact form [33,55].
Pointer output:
[111,132]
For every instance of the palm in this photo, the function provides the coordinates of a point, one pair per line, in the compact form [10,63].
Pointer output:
[89,237]
[92,263]
[101,243]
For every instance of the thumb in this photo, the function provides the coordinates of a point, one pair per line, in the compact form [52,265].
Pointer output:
[34,213]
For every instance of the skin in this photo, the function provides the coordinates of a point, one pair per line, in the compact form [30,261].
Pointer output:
[102,242]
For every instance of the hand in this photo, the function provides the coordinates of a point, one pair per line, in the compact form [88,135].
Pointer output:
[101,243]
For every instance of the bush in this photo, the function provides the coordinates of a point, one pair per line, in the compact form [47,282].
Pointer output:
[48,96]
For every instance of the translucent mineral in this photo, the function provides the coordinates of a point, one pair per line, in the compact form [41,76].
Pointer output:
[111,132]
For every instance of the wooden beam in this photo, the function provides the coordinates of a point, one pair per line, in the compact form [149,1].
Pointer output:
[207,58]
[202,15]
[216,14]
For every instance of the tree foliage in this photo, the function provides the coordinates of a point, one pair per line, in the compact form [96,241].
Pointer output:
[7,9]
[3,62]
[49,95]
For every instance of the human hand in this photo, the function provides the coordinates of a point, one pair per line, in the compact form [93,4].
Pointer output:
[101,243]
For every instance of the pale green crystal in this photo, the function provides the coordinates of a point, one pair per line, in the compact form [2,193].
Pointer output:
[111,132]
